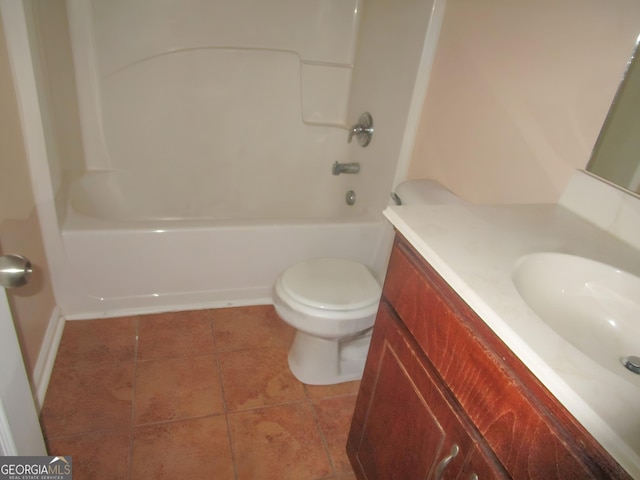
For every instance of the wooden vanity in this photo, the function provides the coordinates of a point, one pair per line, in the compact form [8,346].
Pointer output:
[443,397]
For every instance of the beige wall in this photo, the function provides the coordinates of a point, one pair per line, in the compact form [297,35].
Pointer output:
[32,305]
[518,93]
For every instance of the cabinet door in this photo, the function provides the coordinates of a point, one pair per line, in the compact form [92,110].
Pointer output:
[404,425]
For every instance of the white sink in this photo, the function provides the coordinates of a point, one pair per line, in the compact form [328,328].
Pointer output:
[593,306]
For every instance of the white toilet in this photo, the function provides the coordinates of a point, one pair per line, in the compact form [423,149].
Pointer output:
[332,303]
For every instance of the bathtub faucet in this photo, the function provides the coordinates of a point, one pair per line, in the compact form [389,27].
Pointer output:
[338,168]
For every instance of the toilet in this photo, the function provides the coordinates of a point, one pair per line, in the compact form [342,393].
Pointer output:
[332,304]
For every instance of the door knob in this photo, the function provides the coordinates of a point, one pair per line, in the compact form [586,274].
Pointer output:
[15,271]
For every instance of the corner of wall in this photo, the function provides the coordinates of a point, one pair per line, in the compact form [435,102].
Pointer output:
[605,205]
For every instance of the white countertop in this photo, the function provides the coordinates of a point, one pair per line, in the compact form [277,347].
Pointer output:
[474,248]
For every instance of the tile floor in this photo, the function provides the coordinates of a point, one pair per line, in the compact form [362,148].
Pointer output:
[201,394]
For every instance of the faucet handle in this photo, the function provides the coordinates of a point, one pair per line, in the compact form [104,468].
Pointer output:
[355,130]
[363,130]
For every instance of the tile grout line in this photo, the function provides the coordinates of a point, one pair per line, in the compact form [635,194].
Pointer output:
[270,405]
[175,357]
[133,398]
[178,420]
[224,397]
[323,437]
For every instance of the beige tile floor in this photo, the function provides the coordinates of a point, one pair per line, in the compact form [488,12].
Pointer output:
[201,394]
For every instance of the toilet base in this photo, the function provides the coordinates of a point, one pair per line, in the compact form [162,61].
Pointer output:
[318,361]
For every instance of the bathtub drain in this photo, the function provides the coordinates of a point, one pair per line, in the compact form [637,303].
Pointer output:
[350,197]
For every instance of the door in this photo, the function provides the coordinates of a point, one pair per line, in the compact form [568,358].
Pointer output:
[20,432]
[406,423]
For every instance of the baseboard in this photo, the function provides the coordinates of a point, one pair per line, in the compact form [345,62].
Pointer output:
[47,357]
[258,298]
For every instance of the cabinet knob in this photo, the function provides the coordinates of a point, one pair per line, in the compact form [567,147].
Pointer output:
[474,476]
[444,463]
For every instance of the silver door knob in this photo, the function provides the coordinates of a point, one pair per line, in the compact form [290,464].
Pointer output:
[15,271]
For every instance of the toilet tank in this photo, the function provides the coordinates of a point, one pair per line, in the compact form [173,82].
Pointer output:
[424,191]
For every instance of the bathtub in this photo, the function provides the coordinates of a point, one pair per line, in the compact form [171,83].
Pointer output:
[128,259]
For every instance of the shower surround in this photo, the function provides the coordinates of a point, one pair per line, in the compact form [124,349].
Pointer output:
[216,109]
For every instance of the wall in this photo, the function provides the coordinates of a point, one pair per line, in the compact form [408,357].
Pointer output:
[33,304]
[518,94]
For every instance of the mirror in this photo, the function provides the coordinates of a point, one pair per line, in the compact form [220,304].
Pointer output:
[616,155]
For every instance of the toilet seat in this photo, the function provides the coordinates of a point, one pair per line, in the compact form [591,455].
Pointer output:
[330,284]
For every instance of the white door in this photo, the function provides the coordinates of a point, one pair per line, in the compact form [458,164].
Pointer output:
[20,432]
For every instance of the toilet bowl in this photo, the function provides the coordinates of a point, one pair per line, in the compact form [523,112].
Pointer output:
[332,303]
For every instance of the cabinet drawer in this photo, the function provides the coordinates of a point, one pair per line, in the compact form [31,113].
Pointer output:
[529,430]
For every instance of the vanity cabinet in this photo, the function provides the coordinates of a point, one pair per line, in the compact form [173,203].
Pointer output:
[442,397]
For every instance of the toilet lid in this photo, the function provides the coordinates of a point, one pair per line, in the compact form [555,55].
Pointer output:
[331,284]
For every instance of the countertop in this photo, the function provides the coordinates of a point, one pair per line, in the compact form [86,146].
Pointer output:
[474,248]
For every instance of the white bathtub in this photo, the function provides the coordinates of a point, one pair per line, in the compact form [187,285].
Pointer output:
[119,265]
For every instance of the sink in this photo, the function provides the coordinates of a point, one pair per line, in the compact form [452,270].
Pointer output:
[593,306]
